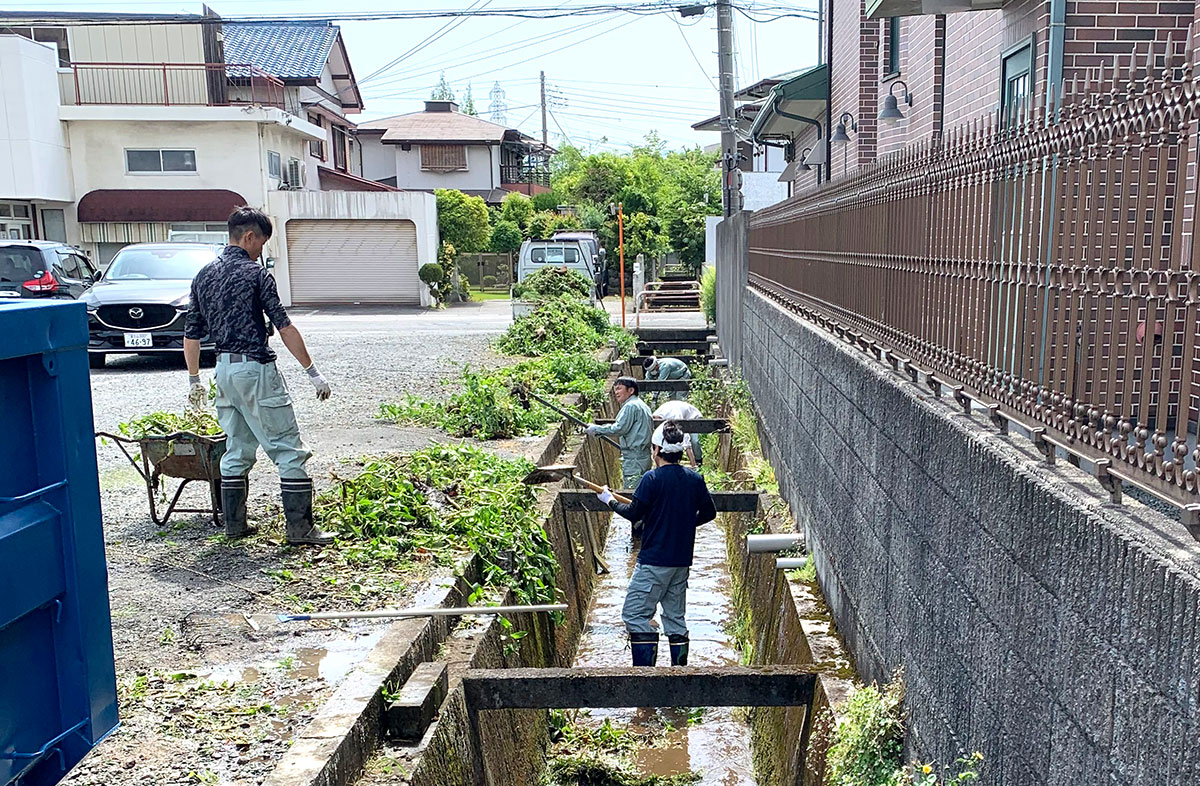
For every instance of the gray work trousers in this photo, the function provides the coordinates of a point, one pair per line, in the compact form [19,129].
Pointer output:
[650,587]
[254,408]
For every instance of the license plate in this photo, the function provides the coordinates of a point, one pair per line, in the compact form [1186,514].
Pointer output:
[138,340]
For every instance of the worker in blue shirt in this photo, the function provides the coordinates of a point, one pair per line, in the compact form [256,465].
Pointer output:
[667,369]
[671,501]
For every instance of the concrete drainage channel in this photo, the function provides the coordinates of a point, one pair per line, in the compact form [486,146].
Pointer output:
[404,715]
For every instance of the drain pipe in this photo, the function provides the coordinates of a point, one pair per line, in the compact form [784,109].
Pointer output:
[1054,97]
[814,123]
[1055,46]
[767,544]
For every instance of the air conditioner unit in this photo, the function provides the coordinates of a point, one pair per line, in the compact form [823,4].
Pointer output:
[295,175]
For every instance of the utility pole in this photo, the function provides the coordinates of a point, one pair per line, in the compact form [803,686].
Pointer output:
[545,134]
[731,195]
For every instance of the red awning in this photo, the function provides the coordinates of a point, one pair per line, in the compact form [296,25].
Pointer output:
[158,205]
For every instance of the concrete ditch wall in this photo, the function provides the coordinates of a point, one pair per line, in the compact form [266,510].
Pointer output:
[1034,622]
[788,624]
[507,747]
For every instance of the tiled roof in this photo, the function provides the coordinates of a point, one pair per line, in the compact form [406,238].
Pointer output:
[436,127]
[289,50]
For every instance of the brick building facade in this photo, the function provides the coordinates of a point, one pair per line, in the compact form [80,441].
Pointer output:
[962,67]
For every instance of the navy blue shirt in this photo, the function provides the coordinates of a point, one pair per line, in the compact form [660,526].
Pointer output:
[671,501]
[230,295]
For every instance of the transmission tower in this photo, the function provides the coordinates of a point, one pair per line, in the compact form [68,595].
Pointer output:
[498,109]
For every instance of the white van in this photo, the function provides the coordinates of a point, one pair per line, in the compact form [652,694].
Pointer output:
[572,254]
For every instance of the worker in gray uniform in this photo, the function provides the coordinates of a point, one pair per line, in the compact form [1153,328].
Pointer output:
[231,299]
[633,427]
[667,369]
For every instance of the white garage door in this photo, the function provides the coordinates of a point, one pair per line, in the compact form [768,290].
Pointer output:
[353,262]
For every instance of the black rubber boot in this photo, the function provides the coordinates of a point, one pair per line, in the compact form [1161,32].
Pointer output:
[298,513]
[679,649]
[234,491]
[645,648]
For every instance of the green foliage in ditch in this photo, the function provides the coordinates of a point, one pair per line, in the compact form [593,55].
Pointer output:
[496,405]
[708,294]
[551,282]
[160,424]
[445,501]
[867,746]
[868,743]
[589,754]
[563,324]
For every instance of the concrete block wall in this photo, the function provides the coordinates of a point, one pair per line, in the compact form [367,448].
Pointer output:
[1034,622]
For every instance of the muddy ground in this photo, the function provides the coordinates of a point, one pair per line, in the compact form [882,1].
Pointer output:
[212,686]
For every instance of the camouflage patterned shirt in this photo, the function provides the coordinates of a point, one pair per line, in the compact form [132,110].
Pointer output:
[230,297]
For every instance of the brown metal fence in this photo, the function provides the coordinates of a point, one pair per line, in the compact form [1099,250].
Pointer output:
[1042,267]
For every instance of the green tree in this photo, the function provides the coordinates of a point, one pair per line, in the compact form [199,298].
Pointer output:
[516,208]
[643,235]
[506,237]
[442,92]
[547,200]
[541,225]
[463,220]
[469,102]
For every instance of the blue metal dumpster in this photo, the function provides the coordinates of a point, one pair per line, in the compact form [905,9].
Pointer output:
[58,694]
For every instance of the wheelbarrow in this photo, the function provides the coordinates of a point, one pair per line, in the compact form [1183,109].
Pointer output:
[185,456]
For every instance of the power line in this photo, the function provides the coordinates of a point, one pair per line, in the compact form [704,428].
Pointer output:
[759,13]
[693,51]
[560,128]
[429,39]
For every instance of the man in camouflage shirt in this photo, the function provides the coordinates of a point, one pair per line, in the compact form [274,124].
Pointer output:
[230,297]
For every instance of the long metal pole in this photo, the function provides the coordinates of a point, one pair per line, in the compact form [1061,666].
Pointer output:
[395,613]
[730,195]
[545,135]
[621,248]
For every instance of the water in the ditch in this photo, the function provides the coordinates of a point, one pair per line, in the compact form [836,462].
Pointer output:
[716,742]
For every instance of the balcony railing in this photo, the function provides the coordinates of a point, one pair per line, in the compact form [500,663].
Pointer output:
[1044,268]
[171,84]
[525,173]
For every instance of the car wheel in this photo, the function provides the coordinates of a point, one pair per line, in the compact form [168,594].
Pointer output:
[96,360]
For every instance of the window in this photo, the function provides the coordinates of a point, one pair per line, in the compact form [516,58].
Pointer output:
[147,161]
[317,148]
[54,225]
[46,35]
[443,158]
[339,148]
[69,265]
[274,164]
[1016,80]
[893,45]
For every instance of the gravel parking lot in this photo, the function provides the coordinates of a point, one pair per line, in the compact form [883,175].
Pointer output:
[209,696]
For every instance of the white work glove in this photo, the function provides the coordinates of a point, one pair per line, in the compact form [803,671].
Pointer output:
[591,430]
[318,381]
[605,496]
[197,395]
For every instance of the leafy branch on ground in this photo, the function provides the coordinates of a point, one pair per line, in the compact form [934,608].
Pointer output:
[445,501]
[496,405]
[563,324]
[551,282]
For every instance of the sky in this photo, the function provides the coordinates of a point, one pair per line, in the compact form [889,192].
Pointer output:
[610,79]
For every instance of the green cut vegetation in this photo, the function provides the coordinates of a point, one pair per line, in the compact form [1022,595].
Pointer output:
[868,746]
[553,282]
[161,424]
[445,501]
[564,324]
[589,754]
[496,405]
[584,770]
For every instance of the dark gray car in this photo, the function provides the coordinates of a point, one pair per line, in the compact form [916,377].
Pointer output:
[138,305]
[43,269]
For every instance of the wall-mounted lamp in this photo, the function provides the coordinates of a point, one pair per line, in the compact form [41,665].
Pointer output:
[817,157]
[839,134]
[890,113]
[803,165]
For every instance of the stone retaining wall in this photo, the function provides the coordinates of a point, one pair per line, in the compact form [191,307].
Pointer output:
[1035,622]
